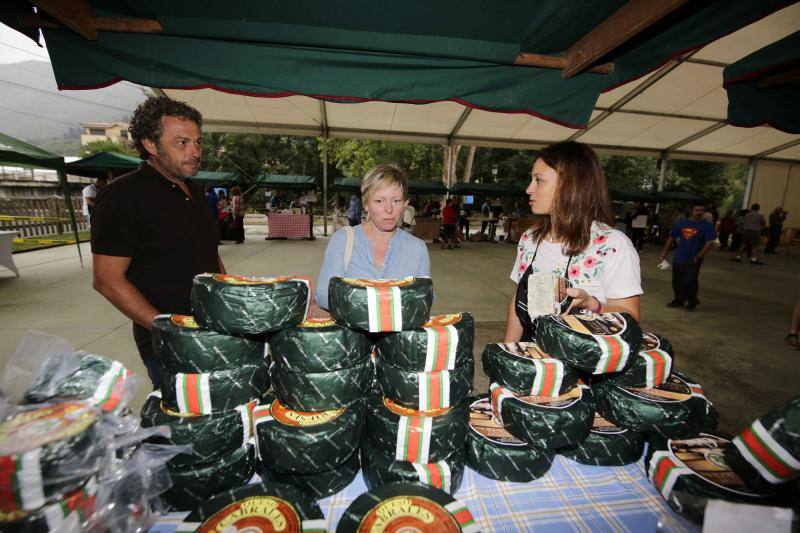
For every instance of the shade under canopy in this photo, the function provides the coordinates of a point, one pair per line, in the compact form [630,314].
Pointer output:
[101,164]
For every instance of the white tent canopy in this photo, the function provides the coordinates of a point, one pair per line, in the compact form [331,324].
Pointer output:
[677,111]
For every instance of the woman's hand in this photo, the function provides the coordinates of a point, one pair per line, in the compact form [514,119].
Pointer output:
[583,300]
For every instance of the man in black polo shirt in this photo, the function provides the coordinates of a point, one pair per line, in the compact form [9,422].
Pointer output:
[152,231]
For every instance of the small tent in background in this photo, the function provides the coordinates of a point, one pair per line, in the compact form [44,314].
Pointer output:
[19,153]
[216,179]
[103,165]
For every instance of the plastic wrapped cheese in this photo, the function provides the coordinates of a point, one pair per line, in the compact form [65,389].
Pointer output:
[524,368]
[381,305]
[442,343]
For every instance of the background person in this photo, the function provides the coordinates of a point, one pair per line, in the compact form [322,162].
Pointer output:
[695,238]
[573,238]
[237,214]
[449,225]
[776,219]
[379,251]
[752,224]
[354,213]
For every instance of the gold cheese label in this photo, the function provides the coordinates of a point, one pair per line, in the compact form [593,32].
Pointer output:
[262,514]
[318,323]
[362,282]
[674,390]
[483,422]
[649,342]
[589,323]
[601,425]
[524,350]
[412,514]
[290,417]
[35,428]
[233,279]
[558,402]
[184,321]
[442,320]
[405,411]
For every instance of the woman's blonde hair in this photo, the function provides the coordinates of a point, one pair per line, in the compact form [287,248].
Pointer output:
[380,176]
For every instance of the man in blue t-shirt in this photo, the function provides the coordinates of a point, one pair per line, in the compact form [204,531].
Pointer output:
[695,237]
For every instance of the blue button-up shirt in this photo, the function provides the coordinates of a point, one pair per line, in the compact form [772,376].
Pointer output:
[406,256]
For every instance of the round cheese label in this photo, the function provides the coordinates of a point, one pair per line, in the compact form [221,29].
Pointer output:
[649,342]
[483,422]
[33,429]
[524,350]
[442,320]
[290,417]
[601,425]
[362,282]
[674,390]
[567,399]
[405,411]
[408,514]
[589,323]
[318,323]
[256,514]
[704,455]
[184,321]
[233,279]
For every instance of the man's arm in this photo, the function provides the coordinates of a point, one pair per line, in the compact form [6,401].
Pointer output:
[110,281]
[703,251]
[667,246]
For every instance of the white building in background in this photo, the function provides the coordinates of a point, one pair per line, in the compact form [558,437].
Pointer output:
[101,131]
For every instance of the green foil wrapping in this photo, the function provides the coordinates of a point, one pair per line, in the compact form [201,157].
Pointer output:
[321,391]
[282,503]
[211,436]
[237,305]
[607,445]
[300,442]
[495,453]
[318,345]
[66,514]
[545,422]
[599,344]
[192,486]
[431,501]
[676,409]
[321,484]
[524,368]
[426,390]
[48,451]
[182,346]
[689,472]
[380,305]
[213,392]
[379,468]
[651,367]
[442,343]
[767,452]
[416,436]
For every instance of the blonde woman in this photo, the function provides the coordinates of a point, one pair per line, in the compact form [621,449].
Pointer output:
[379,249]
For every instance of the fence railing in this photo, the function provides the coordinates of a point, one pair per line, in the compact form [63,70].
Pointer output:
[39,217]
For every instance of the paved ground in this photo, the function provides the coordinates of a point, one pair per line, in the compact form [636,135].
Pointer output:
[733,344]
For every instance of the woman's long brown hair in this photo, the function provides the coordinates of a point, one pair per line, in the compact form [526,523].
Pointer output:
[580,199]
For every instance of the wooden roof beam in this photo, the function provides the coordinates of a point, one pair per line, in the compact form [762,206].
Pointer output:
[627,22]
[556,62]
[98,23]
[76,15]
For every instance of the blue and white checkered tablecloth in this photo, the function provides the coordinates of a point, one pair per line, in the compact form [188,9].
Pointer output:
[570,497]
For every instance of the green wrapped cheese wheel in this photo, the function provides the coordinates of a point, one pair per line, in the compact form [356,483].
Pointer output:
[321,391]
[291,441]
[651,367]
[239,305]
[767,452]
[318,345]
[210,436]
[191,486]
[607,445]
[213,392]
[379,468]
[543,421]
[380,305]
[524,368]
[689,472]
[48,451]
[66,514]
[258,507]
[675,409]
[415,436]
[442,343]
[101,382]
[321,484]
[408,507]
[495,453]
[599,344]
[182,346]
[426,390]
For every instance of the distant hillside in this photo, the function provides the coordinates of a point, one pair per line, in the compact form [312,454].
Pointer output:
[33,109]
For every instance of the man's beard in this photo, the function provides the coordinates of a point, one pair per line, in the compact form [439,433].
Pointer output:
[175,168]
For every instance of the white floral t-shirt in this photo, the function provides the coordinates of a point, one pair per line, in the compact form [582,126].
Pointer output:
[608,268]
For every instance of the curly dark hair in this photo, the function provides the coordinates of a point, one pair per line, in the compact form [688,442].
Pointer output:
[146,120]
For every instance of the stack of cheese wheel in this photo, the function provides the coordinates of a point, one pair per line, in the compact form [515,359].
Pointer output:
[309,431]
[417,416]
[49,455]
[214,371]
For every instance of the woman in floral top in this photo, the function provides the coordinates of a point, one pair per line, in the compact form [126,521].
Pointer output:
[573,238]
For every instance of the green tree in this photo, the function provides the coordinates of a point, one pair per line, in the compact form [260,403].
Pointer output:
[630,173]
[722,184]
[107,145]
[354,157]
